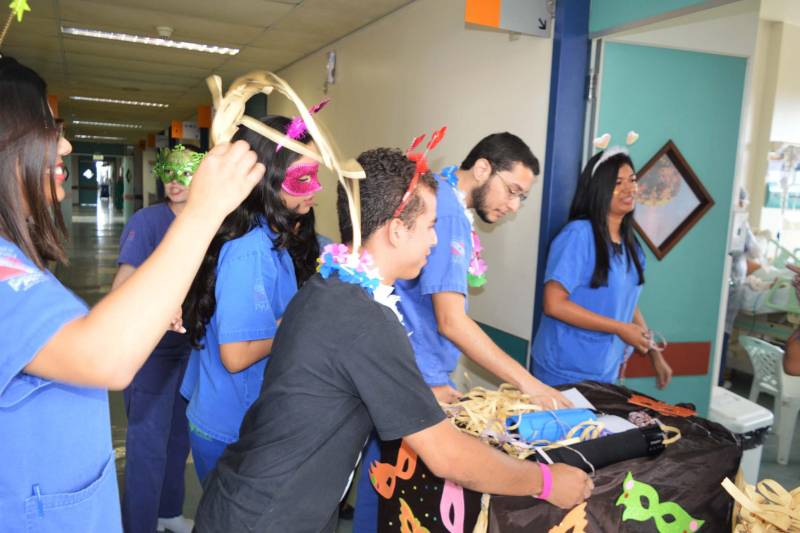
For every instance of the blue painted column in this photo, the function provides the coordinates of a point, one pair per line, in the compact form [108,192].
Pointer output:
[570,67]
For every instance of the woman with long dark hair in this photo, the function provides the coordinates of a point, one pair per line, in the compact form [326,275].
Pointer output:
[57,357]
[595,273]
[262,253]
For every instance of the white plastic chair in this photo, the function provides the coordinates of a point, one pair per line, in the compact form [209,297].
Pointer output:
[769,377]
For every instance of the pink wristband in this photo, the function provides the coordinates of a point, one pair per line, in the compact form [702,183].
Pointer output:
[547,482]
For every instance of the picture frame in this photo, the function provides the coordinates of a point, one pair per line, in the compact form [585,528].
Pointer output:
[670,201]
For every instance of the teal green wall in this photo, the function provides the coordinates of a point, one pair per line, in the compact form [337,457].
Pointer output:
[516,347]
[694,99]
[607,14]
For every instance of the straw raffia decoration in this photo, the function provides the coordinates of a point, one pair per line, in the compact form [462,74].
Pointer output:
[483,413]
[765,508]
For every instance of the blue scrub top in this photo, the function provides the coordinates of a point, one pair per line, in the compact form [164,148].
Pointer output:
[57,470]
[567,354]
[142,234]
[254,285]
[446,271]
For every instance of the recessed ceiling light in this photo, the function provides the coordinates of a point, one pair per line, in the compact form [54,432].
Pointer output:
[107,124]
[154,41]
[98,138]
[115,101]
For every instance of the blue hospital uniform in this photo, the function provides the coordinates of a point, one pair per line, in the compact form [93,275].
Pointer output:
[567,354]
[446,271]
[57,470]
[437,357]
[157,440]
[254,285]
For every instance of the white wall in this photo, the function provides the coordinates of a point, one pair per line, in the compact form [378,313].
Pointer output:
[764,67]
[786,120]
[415,70]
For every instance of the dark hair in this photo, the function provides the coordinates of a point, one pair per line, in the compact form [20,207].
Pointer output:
[295,233]
[502,150]
[389,173]
[29,139]
[591,202]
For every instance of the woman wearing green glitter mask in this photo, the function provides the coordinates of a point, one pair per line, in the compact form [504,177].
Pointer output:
[157,440]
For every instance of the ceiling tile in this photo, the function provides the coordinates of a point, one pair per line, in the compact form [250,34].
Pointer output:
[270,33]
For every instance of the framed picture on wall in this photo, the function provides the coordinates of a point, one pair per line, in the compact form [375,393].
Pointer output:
[671,200]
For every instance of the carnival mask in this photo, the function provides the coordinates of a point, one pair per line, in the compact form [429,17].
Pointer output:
[302,180]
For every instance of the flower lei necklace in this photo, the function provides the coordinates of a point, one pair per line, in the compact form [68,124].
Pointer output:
[361,271]
[477,266]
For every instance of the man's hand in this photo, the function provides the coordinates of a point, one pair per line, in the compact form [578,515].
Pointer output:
[544,395]
[571,486]
[446,394]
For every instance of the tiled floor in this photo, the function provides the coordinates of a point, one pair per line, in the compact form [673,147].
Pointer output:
[93,251]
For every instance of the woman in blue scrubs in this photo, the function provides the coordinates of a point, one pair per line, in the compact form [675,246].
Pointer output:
[57,357]
[157,439]
[262,253]
[595,273]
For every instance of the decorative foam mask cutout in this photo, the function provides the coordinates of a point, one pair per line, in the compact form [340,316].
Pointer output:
[642,504]
[384,476]
[575,521]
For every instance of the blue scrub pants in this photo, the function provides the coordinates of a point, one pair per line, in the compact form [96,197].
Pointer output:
[206,451]
[157,443]
[365,519]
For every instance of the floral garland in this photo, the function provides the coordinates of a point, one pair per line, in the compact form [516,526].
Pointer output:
[361,271]
[476,276]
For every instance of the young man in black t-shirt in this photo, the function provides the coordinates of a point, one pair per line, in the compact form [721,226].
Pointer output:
[342,365]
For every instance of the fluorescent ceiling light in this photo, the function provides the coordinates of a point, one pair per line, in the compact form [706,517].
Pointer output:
[115,101]
[107,124]
[99,138]
[154,41]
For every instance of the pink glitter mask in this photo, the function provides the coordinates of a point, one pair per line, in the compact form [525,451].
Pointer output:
[302,180]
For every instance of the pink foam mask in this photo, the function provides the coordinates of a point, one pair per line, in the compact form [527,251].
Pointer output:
[302,180]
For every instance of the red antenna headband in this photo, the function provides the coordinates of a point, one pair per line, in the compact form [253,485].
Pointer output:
[421,160]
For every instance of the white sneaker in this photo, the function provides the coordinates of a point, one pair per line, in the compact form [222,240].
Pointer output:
[176,524]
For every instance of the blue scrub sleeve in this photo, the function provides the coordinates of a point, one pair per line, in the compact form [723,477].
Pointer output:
[244,312]
[134,247]
[34,306]
[448,263]
[571,259]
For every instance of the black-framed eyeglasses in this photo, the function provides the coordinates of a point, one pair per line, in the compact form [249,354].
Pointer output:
[519,195]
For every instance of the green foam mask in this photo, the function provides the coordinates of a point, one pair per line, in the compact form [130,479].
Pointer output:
[642,503]
[178,164]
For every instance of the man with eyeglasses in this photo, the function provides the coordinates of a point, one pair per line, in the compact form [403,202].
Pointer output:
[493,181]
